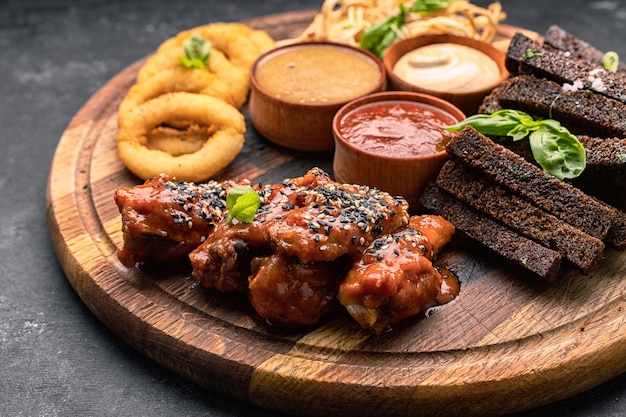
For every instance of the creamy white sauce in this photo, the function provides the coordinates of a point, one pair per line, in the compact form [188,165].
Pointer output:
[448,67]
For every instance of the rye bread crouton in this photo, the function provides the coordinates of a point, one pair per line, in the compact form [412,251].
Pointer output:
[525,253]
[581,111]
[557,197]
[527,56]
[580,249]
[604,176]
[559,38]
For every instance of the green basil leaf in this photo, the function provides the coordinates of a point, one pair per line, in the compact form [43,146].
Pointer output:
[242,203]
[557,151]
[429,6]
[520,131]
[378,38]
[485,124]
[554,148]
[197,52]
[514,115]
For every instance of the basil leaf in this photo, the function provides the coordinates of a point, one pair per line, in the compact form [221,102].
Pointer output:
[242,203]
[520,131]
[378,38]
[485,124]
[197,52]
[381,36]
[429,6]
[554,148]
[557,151]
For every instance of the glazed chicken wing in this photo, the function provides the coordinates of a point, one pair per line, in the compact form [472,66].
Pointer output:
[223,260]
[164,220]
[335,219]
[395,278]
[284,290]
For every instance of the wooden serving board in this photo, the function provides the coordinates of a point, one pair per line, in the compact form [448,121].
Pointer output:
[507,343]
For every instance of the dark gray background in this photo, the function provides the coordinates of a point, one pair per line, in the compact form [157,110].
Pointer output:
[56,358]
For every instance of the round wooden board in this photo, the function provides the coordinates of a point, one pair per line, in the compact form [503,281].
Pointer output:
[507,343]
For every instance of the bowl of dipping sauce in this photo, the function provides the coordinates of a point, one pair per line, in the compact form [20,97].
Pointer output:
[296,89]
[458,69]
[393,141]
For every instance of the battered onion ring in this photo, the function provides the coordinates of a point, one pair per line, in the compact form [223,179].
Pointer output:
[222,80]
[217,152]
[240,44]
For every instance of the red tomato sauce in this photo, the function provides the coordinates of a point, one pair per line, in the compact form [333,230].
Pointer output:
[397,128]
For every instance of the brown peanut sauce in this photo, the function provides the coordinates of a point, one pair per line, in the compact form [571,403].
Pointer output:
[313,74]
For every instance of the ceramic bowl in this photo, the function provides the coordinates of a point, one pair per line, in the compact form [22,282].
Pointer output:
[397,171]
[467,99]
[295,109]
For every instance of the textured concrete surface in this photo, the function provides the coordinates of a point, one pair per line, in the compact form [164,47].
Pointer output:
[56,359]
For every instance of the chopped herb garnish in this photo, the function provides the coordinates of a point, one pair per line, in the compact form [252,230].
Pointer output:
[610,61]
[242,202]
[379,37]
[197,52]
[531,53]
[554,148]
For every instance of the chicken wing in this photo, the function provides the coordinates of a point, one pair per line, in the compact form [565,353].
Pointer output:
[164,220]
[395,278]
[284,290]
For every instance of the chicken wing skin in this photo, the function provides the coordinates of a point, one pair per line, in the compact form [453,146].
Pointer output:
[335,220]
[284,290]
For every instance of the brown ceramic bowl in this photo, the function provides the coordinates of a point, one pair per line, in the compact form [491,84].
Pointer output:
[295,109]
[467,100]
[394,170]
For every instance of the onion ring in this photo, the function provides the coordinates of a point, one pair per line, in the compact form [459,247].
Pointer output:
[241,44]
[216,153]
[221,79]
[168,114]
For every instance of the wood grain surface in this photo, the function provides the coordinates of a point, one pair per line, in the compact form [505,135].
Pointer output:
[507,343]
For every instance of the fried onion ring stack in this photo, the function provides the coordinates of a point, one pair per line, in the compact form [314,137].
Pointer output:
[186,121]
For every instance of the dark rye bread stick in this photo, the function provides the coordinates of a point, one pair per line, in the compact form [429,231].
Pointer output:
[557,197]
[541,261]
[582,112]
[604,176]
[559,38]
[602,154]
[526,56]
[580,249]
[609,153]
